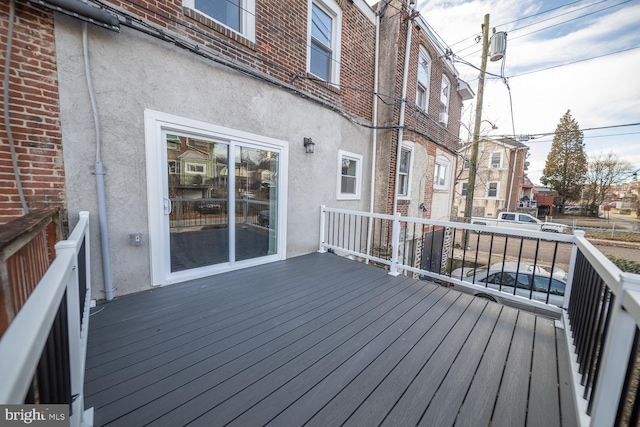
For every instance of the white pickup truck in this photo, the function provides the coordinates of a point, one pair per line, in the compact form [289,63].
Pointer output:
[519,220]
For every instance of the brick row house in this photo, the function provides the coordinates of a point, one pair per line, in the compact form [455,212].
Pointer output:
[220,127]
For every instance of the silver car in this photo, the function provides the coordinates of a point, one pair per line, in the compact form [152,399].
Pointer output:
[510,279]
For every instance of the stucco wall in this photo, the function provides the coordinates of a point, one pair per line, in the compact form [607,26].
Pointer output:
[131,72]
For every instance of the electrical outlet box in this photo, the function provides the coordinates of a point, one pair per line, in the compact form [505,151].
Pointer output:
[136,239]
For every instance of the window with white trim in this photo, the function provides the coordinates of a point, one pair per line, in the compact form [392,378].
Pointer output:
[445,91]
[323,46]
[463,188]
[441,173]
[424,77]
[492,190]
[174,167]
[496,160]
[195,169]
[404,170]
[237,15]
[349,175]
[466,163]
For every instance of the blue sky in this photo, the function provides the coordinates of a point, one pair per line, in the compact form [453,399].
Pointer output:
[549,69]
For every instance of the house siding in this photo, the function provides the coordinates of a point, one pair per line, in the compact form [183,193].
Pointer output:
[421,127]
[33,111]
[261,88]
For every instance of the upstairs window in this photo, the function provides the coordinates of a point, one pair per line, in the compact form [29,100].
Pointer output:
[496,160]
[463,189]
[324,40]
[492,190]
[238,15]
[424,77]
[466,163]
[445,90]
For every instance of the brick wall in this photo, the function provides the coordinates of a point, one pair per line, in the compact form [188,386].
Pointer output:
[280,47]
[423,127]
[34,113]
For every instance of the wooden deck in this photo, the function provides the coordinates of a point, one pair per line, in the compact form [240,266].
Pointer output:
[320,340]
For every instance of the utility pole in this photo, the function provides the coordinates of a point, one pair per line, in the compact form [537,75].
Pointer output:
[471,186]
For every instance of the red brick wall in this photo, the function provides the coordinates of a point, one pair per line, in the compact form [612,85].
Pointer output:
[280,48]
[430,133]
[34,113]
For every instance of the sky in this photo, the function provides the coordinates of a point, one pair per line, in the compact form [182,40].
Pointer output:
[549,70]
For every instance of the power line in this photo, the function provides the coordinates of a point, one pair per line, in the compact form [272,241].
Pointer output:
[494,76]
[517,20]
[542,134]
[554,25]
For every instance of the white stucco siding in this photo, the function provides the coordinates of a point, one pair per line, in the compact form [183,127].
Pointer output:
[133,72]
[442,199]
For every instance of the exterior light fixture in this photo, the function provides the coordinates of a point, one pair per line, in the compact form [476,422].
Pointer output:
[309,145]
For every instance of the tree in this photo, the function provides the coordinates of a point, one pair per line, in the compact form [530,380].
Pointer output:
[566,164]
[603,172]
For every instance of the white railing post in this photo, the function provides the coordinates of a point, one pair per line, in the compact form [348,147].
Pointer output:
[615,357]
[323,219]
[78,323]
[395,244]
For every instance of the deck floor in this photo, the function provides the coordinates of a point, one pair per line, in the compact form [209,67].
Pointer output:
[320,340]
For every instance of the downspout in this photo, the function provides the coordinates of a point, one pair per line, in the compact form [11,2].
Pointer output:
[374,139]
[403,102]
[99,173]
[513,174]
[7,124]
[375,114]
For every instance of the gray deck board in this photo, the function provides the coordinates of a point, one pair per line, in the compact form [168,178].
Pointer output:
[320,340]
[544,406]
[511,407]
[479,401]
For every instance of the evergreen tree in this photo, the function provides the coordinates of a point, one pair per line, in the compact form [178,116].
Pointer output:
[566,164]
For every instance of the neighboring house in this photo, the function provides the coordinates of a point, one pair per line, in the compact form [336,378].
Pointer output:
[544,198]
[432,109]
[206,115]
[527,196]
[499,178]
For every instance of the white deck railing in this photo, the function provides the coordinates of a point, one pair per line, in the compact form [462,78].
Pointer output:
[62,297]
[600,311]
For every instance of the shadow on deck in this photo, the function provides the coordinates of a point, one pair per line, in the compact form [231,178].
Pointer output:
[322,340]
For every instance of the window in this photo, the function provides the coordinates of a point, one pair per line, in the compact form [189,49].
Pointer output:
[324,40]
[404,183]
[467,163]
[496,160]
[464,188]
[441,173]
[445,90]
[194,168]
[492,190]
[349,173]
[526,218]
[174,166]
[238,15]
[424,77]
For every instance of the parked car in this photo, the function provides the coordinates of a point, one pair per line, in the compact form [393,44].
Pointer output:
[511,280]
[519,220]
[573,210]
[263,218]
[208,207]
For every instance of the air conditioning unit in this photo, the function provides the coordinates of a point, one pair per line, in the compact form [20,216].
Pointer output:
[443,119]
